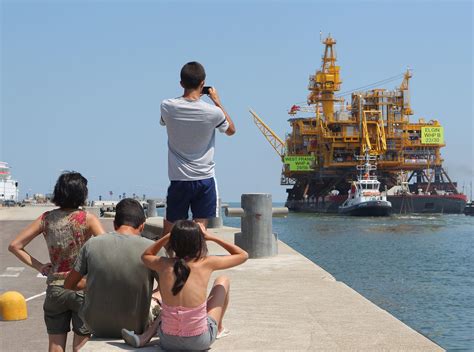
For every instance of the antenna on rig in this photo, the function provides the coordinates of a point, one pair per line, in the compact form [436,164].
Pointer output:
[320,36]
[471,190]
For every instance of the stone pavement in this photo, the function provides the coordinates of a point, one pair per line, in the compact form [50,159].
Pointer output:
[282,303]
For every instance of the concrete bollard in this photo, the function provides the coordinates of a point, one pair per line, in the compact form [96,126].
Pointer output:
[216,222]
[256,213]
[151,208]
[93,210]
[13,306]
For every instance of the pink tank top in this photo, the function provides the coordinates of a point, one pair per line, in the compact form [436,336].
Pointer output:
[184,321]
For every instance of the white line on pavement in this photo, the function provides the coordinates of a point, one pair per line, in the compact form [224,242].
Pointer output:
[35,296]
[10,275]
[15,268]
[12,271]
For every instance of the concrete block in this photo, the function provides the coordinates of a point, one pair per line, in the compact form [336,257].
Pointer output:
[93,210]
[13,306]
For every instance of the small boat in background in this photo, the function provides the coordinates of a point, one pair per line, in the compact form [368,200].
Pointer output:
[469,209]
[364,197]
[9,190]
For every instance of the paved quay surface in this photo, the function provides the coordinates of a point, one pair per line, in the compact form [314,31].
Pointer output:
[280,303]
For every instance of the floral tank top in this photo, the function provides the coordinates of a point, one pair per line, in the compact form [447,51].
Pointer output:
[65,232]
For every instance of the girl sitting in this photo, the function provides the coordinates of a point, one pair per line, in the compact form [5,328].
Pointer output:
[190,320]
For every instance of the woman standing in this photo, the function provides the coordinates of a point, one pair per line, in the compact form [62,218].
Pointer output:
[65,230]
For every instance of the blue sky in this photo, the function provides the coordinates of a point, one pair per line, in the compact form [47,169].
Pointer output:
[82,81]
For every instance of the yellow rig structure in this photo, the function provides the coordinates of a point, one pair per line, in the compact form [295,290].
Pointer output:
[319,154]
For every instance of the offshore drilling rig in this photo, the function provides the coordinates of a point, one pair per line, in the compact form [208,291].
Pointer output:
[319,154]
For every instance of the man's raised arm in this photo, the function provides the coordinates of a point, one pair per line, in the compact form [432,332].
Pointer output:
[215,98]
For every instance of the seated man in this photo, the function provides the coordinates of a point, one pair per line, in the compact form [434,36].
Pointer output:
[119,285]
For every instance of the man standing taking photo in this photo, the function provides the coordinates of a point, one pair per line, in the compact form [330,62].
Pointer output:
[191,124]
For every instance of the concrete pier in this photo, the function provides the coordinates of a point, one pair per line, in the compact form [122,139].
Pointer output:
[285,302]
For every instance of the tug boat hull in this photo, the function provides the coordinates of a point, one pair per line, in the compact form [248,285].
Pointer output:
[370,208]
[401,204]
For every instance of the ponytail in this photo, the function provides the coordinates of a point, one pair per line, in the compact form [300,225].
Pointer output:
[181,271]
[188,243]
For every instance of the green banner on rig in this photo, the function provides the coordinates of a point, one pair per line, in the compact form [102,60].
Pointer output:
[299,163]
[432,135]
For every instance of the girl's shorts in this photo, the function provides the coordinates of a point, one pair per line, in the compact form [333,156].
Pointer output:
[200,342]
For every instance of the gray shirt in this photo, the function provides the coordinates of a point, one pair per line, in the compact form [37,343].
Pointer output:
[119,286]
[191,126]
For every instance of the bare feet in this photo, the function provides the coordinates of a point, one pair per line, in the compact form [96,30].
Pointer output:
[222,333]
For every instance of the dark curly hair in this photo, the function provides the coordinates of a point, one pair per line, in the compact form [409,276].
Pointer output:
[70,190]
[187,241]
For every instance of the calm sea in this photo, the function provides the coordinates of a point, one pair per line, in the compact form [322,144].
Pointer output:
[417,267]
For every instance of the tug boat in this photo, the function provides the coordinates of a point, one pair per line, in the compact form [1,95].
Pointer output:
[364,197]
[469,209]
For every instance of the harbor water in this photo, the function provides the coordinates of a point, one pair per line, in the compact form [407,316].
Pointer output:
[417,267]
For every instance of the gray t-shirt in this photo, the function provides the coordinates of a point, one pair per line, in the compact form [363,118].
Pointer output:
[191,126]
[119,286]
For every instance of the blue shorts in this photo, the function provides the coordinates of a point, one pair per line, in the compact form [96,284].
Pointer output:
[200,196]
[189,343]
